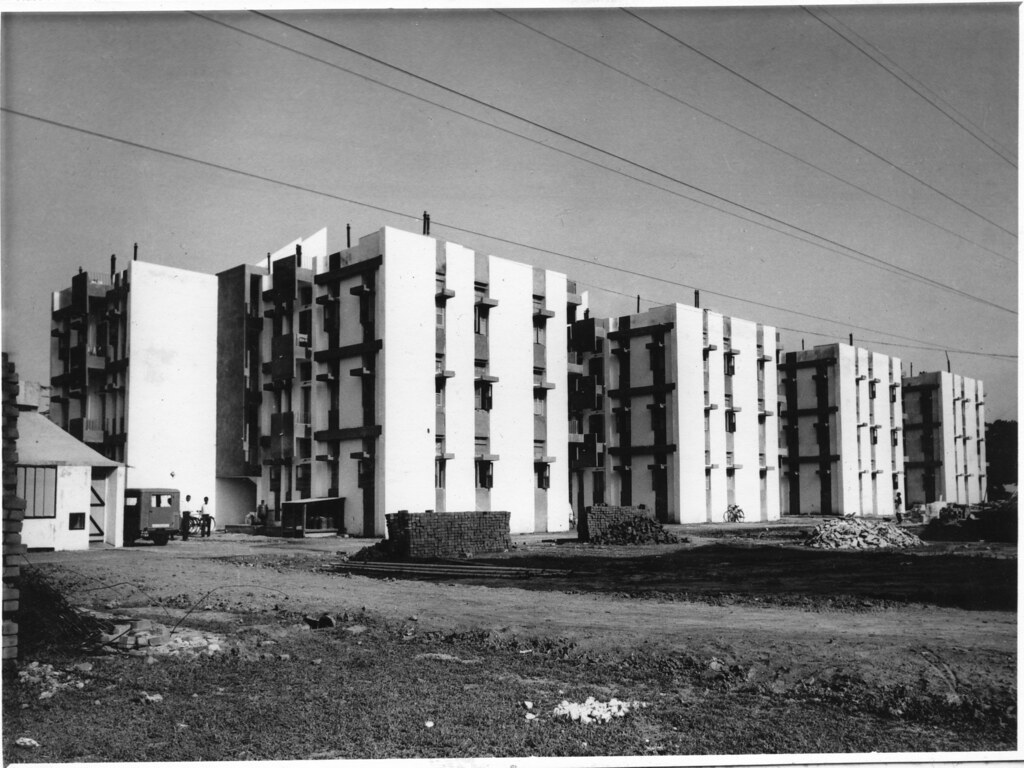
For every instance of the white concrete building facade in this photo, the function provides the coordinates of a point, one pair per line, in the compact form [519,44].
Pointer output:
[841,444]
[674,409]
[944,426]
[404,372]
[133,372]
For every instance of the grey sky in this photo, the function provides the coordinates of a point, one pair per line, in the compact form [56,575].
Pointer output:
[189,86]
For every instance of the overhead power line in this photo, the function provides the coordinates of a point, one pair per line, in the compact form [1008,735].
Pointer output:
[895,69]
[756,138]
[859,255]
[814,119]
[453,227]
[846,327]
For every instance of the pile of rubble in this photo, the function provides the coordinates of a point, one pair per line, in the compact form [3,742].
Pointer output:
[852,533]
[635,530]
[594,711]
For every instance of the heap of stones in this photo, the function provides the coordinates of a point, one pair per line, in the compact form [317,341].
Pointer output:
[853,533]
[635,530]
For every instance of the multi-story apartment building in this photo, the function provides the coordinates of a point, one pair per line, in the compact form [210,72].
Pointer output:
[841,444]
[944,427]
[133,359]
[674,409]
[404,372]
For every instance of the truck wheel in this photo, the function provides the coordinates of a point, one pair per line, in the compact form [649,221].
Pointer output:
[160,539]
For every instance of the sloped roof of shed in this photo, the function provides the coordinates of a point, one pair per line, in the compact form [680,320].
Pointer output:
[41,443]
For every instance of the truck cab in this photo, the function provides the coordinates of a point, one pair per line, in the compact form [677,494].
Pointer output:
[151,513]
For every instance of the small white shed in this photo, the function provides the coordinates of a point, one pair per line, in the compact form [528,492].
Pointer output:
[73,495]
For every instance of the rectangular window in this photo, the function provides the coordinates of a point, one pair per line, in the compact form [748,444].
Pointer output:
[480,320]
[439,473]
[76,521]
[730,421]
[439,393]
[539,333]
[730,364]
[540,404]
[871,389]
[439,316]
[484,474]
[543,473]
[482,396]
[38,487]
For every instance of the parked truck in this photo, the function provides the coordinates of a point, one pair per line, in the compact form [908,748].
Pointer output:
[151,513]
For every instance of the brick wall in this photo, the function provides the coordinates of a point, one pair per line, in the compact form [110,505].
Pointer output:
[14,511]
[595,521]
[448,534]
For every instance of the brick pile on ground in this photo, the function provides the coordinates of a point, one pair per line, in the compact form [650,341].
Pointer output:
[441,535]
[602,524]
[853,533]
[635,530]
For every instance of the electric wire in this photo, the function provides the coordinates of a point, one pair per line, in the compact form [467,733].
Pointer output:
[756,138]
[874,260]
[902,345]
[890,66]
[453,227]
[816,120]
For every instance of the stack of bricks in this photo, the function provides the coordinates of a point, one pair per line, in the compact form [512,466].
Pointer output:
[447,534]
[595,521]
[14,512]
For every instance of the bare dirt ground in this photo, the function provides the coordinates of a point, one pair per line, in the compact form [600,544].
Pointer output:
[938,622]
[891,616]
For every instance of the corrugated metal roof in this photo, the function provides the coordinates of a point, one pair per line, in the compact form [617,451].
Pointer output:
[42,443]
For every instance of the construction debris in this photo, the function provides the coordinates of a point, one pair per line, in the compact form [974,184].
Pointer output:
[594,711]
[853,533]
[50,680]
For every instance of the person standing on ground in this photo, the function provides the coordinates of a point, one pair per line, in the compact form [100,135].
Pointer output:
[206,520]
[186,517]
[898,502]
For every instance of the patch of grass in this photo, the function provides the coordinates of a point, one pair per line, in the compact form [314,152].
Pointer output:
[370,695]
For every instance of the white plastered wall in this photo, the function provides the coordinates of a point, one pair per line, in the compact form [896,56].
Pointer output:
[511,346]
[559,509]
[172,377]
[772,509]
[846,487]
[406,367]
[73,494]
[895,390]
[882,490]
[719,497]
[460,354]
[746,439]
[687,494]
[982,446]
[946,448]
